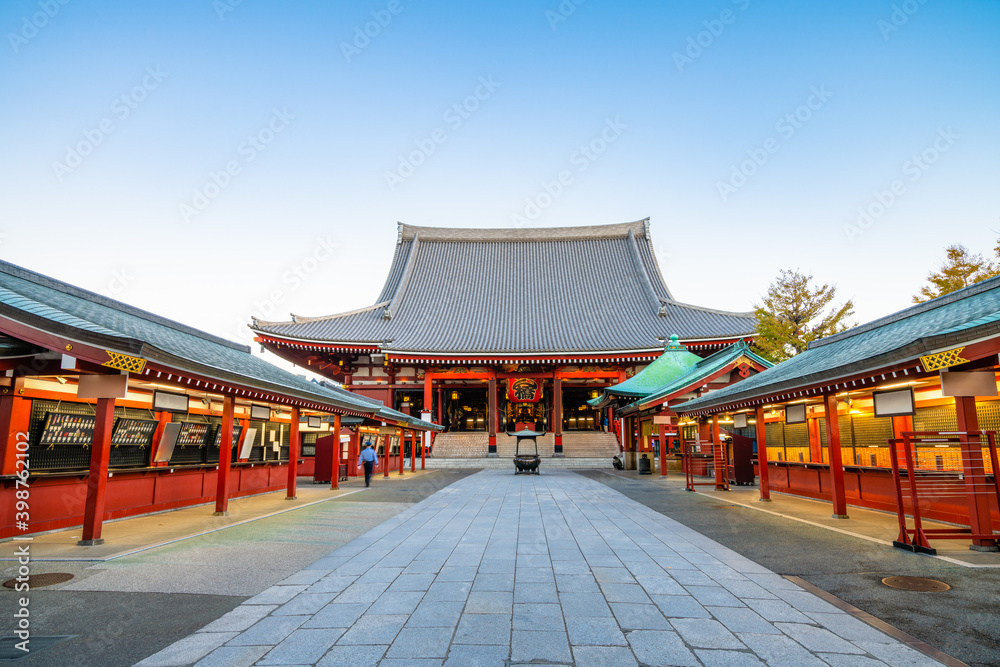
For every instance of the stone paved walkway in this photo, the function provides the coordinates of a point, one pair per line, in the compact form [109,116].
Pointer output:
[550,569]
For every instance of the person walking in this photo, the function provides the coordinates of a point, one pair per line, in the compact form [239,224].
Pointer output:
[369,458]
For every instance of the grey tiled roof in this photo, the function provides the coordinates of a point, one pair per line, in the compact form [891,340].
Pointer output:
[943,323]
[562,290]
[65,310]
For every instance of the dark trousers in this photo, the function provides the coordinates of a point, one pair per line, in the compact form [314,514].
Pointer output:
[368,471]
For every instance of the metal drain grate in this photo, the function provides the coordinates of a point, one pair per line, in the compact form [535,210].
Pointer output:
[9,651]
[916,584]
[39,580]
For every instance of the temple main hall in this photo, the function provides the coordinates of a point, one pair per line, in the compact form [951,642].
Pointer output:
[492,331]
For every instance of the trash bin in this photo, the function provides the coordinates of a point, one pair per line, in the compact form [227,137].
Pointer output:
[644,468]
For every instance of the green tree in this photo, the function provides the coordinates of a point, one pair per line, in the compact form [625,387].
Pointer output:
[792,314]
[961,269]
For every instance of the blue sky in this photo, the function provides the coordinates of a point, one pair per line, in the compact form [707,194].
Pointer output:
[209,160]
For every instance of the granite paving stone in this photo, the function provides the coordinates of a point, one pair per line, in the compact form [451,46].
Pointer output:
[497,570]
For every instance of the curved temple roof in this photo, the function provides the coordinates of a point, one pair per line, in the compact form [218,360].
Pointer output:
[557,290]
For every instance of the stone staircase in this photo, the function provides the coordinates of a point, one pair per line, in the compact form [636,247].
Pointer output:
[576,445]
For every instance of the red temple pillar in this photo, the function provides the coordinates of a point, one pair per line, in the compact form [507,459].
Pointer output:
[663,450]
[975,477]
[337,449]
[163,418]
[293,455]
[719,456]
[385,455]
[765,484]
[225,454]
[353,453]
[836,462]
[97,480]
[415,438]
[491,416]
[557,414]
[428,391]
[815,441]
[15,418]
[402,448]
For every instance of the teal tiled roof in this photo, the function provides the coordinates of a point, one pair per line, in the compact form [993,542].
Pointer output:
[675,362]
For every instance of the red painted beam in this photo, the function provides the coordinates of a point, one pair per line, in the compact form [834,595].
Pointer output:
[97,480]
[293,454]
[225,454]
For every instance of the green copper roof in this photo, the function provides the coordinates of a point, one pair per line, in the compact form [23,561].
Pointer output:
[672,364]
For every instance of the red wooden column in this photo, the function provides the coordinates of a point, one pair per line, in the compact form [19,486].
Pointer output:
[353,453]
[97,481]
[663,450]
[491,416]
[428,391]
[836,464]
[225,453]
[426,435]
[972,464]
[557,414]
[765,484]
[293,454]
[416,437]
[385,457]
[719,457]
[15,418]
[402,448]
[337,449]
[163,418]
[815,441]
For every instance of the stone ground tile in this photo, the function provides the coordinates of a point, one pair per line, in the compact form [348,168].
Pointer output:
[436,615]
[425,566]
[448,591]
[720,658]
[330,562]
[897,655]
[703,633]
[661,648]
[352,656]
[357,592]
[594,632]
[239,619]
[603,560]
[625,593]
[380,575]
[533,560]
[680,606]
[477,656]
[332,583]
[306,577]
[639,616]
[484,629]
[568,555]
[692,578]
[584,605]
[455,573]
[411,662]
[817,639]
[613,575]
[577,583]
[233,656]
[188,650]
[660,584]
[714,596]
[420,643]
[806,602]
[536,592]
[374,629]
[777,610]
[780,650]
[538,617]
[603,656]
[495,566]
[392,602]
[850,628]
[539,647]
[412,582]
[302,647]
[534,575]
[276,595]
[744,588]
[268,631]
[494,582]
[773,582]
[844,660]
[570,567]
[742,619]
[489,602]
[337,615]
[304,604]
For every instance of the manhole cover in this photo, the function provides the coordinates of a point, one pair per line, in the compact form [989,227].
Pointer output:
[39,580]
[916,584]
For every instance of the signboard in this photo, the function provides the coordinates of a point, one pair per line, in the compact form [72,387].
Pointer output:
[795,414]
[248,440]
[972,383]
[740,420]
[165,401]
[260,412]
[524,390]
[896,403]
[168,441]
